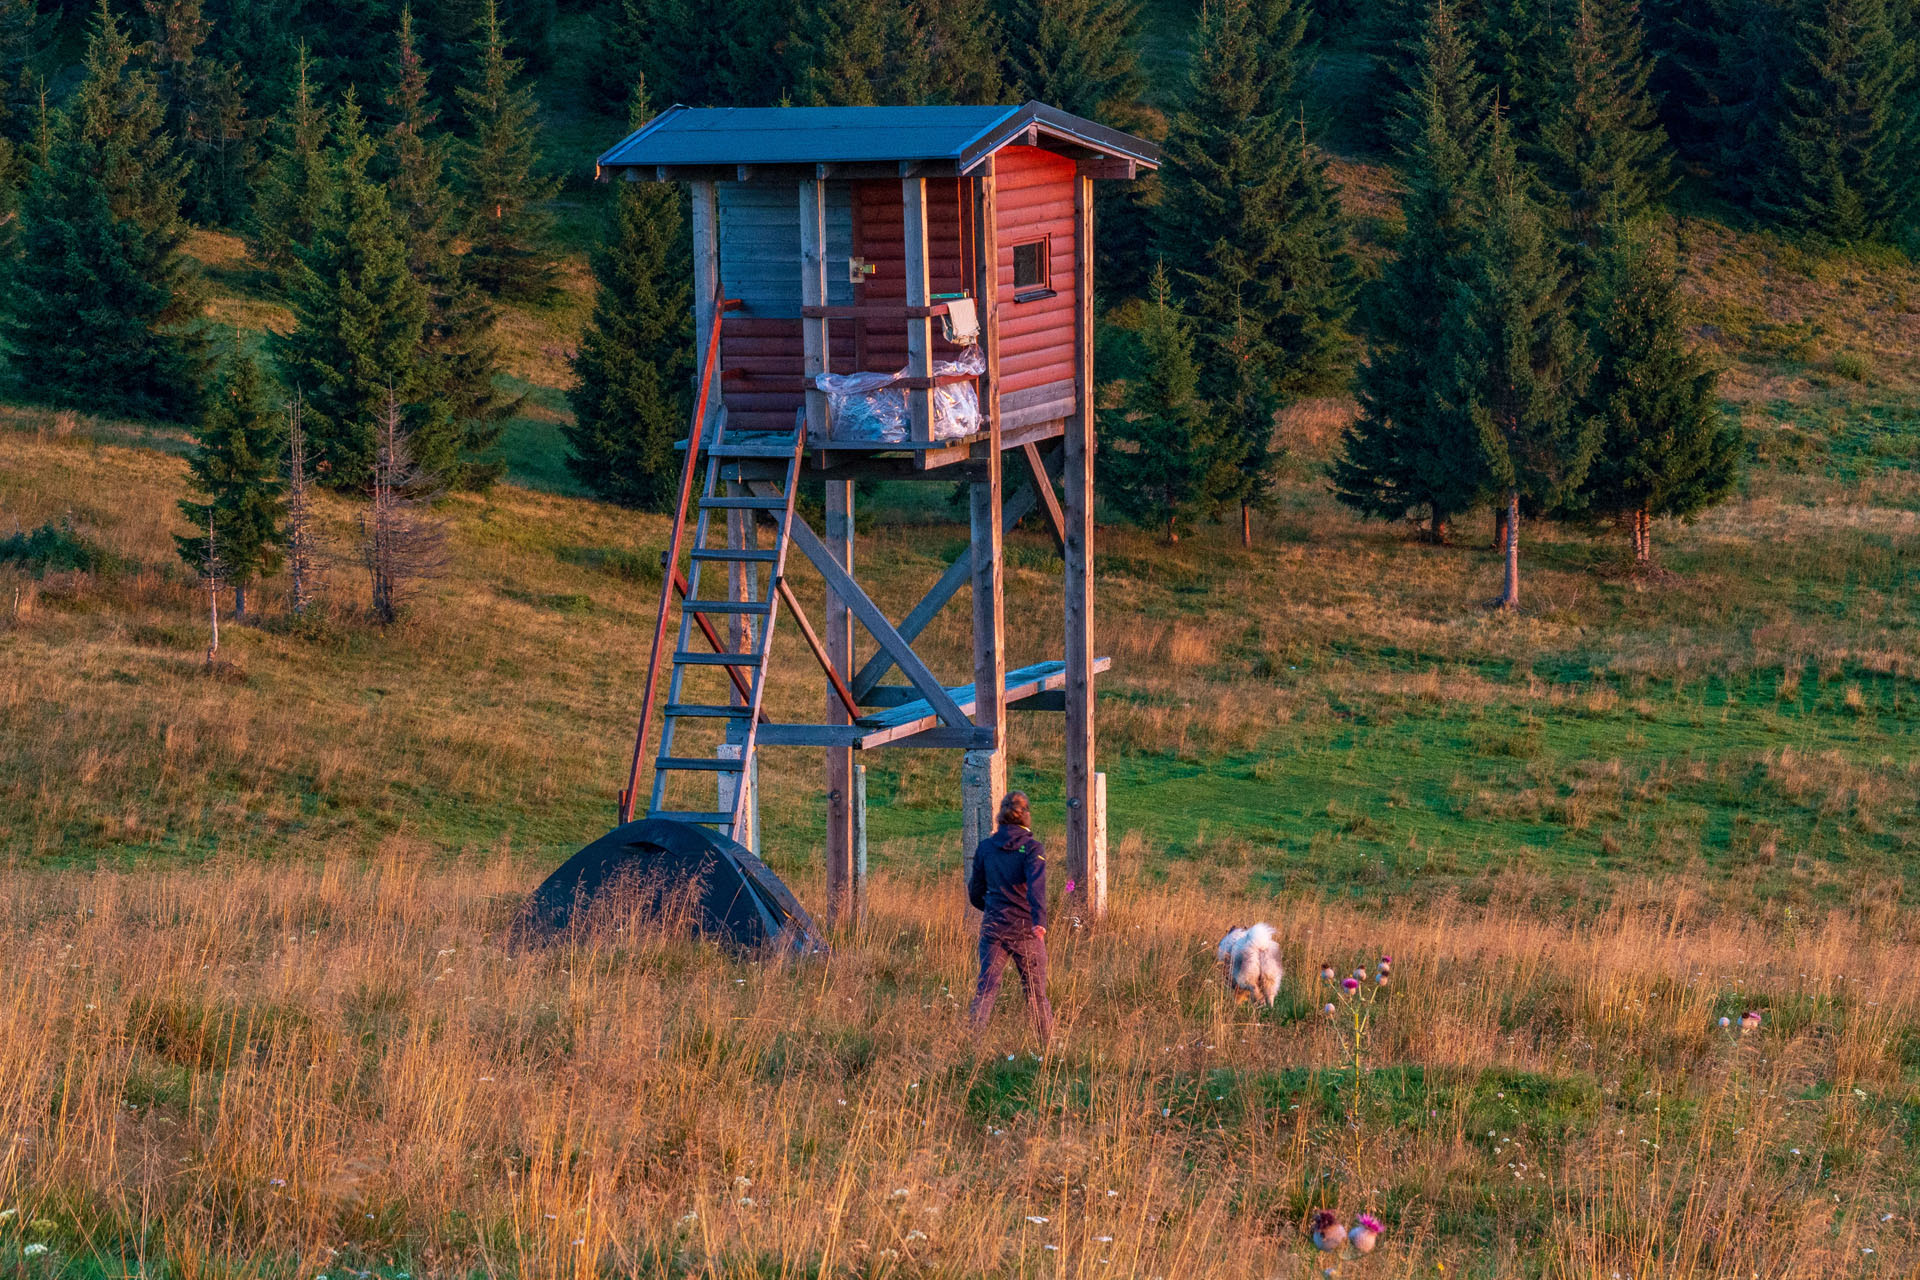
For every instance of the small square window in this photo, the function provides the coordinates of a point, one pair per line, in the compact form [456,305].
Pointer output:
[1030,270]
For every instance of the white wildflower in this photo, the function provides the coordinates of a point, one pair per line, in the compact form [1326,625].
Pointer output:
[1036,1221]
[34,1250]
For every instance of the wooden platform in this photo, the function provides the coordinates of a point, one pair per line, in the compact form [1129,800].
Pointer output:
[1027,685]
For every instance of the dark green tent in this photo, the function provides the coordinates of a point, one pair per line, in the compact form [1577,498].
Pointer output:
[657,865]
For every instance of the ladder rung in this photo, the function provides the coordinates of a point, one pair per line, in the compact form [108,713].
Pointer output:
[744,504]
[781,450]
[691,815]
[700,763]
[736,553]
[692,659]
[727,606]
[695,710]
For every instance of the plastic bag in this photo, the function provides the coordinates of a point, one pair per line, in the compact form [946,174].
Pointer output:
[873,406]
[866,406]
[956,406]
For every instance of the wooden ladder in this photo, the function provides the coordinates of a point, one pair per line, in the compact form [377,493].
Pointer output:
[746,671]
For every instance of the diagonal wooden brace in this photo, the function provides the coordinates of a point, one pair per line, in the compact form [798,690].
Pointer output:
[819,650]
[1043,489]
[935,600]
[861,605]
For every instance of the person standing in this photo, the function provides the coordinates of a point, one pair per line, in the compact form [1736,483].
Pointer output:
[1008,887]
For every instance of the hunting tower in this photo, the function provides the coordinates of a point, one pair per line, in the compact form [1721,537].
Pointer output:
[879,292]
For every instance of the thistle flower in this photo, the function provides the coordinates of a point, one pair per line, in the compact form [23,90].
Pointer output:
[1360,973]
[1385,961]
[1365,1233]
[1329,1008]
[1381,980]
[1725,1022]
[1326,973]
[1351,985]
[1750,1020]
[1326,1232]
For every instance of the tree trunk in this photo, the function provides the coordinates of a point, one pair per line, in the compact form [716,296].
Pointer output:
[1642,540]
[1246,526]
[1437,527]
[239,602]
[1510,596]
[1173,532]
[1500,527]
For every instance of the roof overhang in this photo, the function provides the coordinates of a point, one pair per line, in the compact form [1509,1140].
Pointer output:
[767,144]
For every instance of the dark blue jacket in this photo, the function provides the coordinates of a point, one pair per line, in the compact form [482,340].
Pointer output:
[1009,883]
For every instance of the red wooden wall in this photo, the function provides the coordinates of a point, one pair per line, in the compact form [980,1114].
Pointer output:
[1034,197]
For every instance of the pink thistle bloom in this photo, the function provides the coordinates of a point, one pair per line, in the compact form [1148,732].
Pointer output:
[1365,1233]
[1382,979]
[1326,973]
[1750,1020]
[1326,1232]
[1351,985]
[1386,959]
[1360,973]
[1329,1008]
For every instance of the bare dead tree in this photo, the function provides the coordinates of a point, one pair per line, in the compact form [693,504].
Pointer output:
[401,544]
[211,574]
[303,539]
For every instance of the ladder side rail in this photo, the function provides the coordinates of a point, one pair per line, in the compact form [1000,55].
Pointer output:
[750,741]
[627,796]
[677,681]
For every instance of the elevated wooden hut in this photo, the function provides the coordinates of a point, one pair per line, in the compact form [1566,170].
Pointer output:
[947,252]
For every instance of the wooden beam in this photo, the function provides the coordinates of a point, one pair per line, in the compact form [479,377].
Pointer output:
[837,552]
[813,293]
[706,275]
[1043,485]
[1078,553]
[854,597]
[936,599]
[986,288]
[913,191]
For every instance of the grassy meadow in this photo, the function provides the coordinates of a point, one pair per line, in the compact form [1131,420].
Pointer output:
[262,1020]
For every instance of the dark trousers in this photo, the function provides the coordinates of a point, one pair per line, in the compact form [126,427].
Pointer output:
[1029,957]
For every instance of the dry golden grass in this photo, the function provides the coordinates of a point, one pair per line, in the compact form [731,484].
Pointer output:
[337,1066]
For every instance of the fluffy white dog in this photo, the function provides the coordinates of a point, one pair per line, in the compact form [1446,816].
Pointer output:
[1252,958]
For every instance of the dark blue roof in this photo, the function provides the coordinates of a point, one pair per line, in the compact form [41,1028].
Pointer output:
[853,135]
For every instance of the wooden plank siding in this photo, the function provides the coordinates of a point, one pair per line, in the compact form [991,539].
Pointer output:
[879,236]
[1034,198]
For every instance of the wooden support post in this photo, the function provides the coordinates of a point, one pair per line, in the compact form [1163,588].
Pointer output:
[813,293]
[742,585]
[984,773]
[913,192]
[706,282]
[1078,555]
[843,886]
[859,914]
[986,291]
[979,803]
[1097,863]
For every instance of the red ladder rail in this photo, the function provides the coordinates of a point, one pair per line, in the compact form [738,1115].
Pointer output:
[667,580]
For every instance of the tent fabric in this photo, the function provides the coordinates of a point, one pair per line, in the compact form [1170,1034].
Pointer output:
[740,902]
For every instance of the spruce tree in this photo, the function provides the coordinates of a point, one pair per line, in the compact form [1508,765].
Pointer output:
[1665,449]
[20,45]
[1848,139]
[361,318]
[297,183]
[633,372]
[1512,359]
[235,467]
[1247,209]
[838,52]
[1521,45]
[1081,56]
[1603,152]
[460,350]
[701,53]
[206,112]
[103,311]
[507,220]
[1167,460]
[1409,450]
[1741,99]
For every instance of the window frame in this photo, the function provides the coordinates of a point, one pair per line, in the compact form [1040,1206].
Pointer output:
[1044,288]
